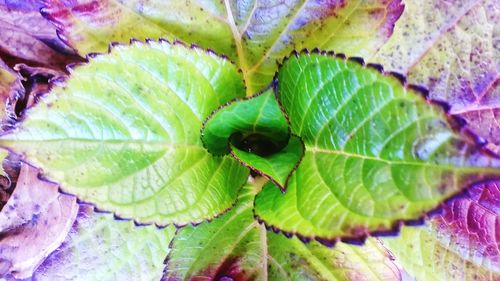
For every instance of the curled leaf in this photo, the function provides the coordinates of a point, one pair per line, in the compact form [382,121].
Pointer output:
[241,121]
[279,166]
[257,134]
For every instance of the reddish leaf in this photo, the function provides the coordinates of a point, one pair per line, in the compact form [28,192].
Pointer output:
[461,243]
[473,222]
[28,37]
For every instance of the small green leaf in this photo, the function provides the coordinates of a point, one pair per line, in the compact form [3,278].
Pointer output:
[256,118]
[101,248]
[235,246]
[256,133]
[376,152]
[124,133]
[279,166]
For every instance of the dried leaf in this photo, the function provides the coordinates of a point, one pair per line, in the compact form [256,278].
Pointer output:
[34,222]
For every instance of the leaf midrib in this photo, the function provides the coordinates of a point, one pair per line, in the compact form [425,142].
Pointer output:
[315,149]
[111,141]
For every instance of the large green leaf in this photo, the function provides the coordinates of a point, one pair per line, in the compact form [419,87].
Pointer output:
[124,133]
[236,246]
[376,152]
[255,34]
[102,248]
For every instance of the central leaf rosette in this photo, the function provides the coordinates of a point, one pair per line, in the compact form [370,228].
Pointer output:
[256,132]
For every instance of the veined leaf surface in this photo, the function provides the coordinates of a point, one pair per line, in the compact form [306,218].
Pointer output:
[459,244]
[124,133]
[451,47]
[376,152]
[255,34]
[27,37]
[99,247]
[236,246]
[33,223]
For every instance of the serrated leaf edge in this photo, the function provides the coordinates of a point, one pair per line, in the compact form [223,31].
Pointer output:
[458,125]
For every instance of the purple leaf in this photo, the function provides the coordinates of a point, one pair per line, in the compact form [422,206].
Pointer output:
[472,224]
[28,37]
[33,223]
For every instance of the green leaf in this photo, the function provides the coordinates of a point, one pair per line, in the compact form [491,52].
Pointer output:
[230,243]
[376,152]
[124,133]
[102,248]
[239,122]
[291,259]
[237,247]
[255,34]
[255,132]
[279,166]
